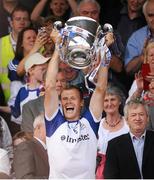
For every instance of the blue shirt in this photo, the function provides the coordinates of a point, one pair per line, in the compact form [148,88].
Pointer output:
[12,71]
[138,144]
[24,95]
[135,44]
[126,25]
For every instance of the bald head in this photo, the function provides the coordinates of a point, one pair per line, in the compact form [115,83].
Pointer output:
[89,8]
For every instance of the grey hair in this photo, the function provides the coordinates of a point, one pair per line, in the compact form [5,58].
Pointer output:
[39,120]
[114,90]
[133,104]
[144,8]
[88,1]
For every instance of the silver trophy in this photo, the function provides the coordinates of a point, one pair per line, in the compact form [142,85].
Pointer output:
[78,36]
[83,41]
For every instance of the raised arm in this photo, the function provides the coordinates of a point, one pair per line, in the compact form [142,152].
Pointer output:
[35,15]
[51,101]
[116,64]
[97,99]
[134,54]
[39,42]
[135,64]
[73,4]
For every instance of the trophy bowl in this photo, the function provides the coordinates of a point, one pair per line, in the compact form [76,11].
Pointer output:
[78,37]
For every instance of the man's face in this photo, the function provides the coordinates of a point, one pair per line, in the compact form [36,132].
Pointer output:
[71,104]
[137,119]
[135,5]
[150,57]
[29,38]
[20,20]
[89,10]
[60,82]
[69,72]
[150,15]
[111,103]
[59,7]
[37,72]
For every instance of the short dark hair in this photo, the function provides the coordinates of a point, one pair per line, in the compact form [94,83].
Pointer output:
[20,8]
[51,19]
[69,87]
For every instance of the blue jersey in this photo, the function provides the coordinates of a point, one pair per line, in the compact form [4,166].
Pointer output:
[24,95]
[12,71]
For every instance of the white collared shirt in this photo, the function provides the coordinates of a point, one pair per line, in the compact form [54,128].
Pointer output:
[138,143]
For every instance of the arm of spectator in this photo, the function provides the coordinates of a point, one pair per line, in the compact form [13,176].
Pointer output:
[116,64]
[134,53]
[139,82]
[73,4]
[135,64]
[39,42]
[137,87]
[5,109]
[35,15]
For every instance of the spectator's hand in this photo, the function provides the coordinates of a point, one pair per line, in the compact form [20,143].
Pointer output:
[139,81]
[55,36]
[40,41]
[150,77]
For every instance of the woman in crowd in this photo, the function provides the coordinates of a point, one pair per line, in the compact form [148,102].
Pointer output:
[28,43]
[112,125]
[25,43]
[143,85]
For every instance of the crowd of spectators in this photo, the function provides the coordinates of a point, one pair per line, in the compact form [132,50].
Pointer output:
[37,139]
